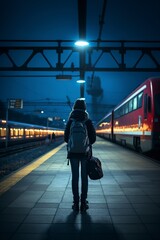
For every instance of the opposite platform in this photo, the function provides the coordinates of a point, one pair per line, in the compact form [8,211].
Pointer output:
[35,202]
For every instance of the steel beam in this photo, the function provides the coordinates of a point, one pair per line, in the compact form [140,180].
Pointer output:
[60,56]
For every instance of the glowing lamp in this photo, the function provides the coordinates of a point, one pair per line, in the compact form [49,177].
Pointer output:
[81,43]
[80,81]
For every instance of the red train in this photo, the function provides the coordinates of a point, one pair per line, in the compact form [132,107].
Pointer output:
[135,122]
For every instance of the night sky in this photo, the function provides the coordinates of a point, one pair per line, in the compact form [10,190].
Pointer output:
[52,20]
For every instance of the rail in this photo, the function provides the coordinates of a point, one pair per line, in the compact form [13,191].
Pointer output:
[17,157]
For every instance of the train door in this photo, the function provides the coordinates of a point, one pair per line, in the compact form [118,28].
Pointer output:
[147,105]
[147,124]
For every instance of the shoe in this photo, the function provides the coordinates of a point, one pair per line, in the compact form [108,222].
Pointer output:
[84,206]
[75,207]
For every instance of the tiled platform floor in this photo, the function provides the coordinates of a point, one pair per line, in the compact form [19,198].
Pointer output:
[124,204]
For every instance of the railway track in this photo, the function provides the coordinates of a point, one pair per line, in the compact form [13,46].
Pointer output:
[18,156]
[19,148]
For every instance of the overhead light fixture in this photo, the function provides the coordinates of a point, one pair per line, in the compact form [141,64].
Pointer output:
[81,43]
[81,81]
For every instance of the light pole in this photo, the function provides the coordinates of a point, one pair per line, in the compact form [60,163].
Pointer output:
[49,119]
[82,44]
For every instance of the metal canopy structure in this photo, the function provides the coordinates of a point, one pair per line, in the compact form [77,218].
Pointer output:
[58,57]
[124,56]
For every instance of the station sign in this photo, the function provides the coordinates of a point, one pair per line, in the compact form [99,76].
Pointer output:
[15,103]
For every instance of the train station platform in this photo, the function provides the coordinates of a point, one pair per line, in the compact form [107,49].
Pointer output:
[35,201]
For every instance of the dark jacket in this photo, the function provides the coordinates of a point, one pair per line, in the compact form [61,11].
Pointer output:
[82,116]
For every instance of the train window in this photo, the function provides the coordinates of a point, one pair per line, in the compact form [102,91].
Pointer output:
[11,132]
[130,105]
[157,104]
[149,103]
[21,132]
[115,114]
[2,132]
[139,103]
[145,106]
[126,108]
[119,112]
[135,103]
[122,110]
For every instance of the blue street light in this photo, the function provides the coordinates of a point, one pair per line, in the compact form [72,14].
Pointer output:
[81,43]
[81,81]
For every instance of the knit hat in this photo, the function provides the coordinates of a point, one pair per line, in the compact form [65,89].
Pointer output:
[80,104]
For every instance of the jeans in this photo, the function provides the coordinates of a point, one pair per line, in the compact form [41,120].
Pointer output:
[75,178]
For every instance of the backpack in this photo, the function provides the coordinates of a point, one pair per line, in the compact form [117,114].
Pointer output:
[78,139]
[94,168]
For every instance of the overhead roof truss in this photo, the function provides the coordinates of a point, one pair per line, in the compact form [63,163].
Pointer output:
[63,56]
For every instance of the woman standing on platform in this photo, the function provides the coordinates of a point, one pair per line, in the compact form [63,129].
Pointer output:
[79,116]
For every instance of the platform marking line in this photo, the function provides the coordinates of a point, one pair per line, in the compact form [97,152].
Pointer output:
[16,177]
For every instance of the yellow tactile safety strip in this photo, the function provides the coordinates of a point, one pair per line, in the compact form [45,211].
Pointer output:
[16,177]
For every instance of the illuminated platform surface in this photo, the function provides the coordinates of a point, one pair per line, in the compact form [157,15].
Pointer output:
[35,202]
